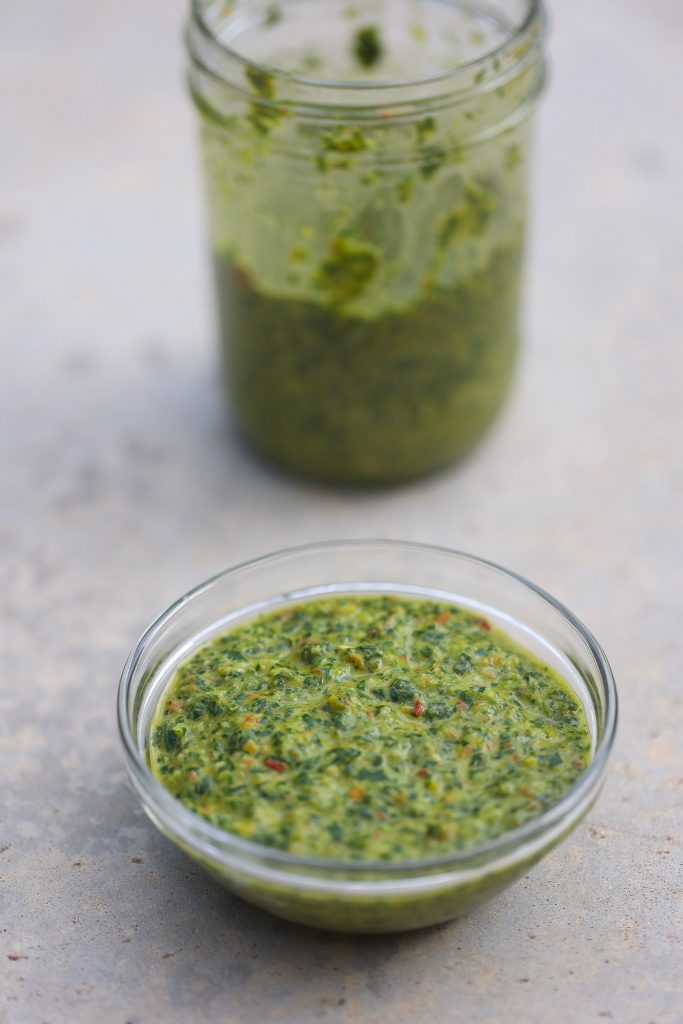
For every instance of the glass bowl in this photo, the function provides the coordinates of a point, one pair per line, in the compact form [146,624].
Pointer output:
[357,896]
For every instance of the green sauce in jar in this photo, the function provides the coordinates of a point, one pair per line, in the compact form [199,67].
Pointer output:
[334,395]
[368,728]
[367,208]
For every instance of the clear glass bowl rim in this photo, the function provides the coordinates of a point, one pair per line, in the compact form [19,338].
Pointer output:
[166,808]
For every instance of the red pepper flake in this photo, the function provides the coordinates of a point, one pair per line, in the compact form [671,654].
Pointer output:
[443,617]
[242,278]
[275,765]
[485,624]
[423,773]
[418,708]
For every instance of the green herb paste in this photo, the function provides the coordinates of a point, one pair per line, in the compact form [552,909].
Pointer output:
[373,728]
[348,398]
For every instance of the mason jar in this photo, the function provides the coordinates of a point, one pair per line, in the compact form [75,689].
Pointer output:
[366,169]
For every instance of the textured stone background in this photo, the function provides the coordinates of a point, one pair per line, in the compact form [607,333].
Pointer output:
[122,486]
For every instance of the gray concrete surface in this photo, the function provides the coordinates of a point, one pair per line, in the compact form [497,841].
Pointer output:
[122,486]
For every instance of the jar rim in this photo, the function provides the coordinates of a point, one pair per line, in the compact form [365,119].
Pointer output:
[215,842]
[485,73]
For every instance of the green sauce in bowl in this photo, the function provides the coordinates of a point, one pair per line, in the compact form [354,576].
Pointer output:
[367,736]
[371,728]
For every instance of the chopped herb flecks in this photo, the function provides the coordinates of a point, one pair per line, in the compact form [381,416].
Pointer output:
[345,140]
[273,15]
[349,268]
[432,158]
[367,46]
[261,82]
[374,727]
[263,114]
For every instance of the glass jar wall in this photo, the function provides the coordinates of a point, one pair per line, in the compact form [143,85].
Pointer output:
[366,169]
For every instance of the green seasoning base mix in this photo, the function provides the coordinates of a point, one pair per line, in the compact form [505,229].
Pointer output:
[368,239]
[368,728]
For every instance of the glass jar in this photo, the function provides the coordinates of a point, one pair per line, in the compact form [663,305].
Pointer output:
[366,169]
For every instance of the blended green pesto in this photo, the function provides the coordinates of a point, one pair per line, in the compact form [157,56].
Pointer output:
[348,398]
[368,727]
